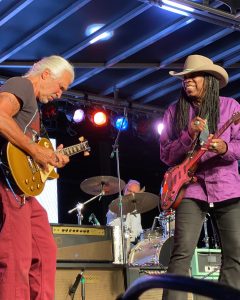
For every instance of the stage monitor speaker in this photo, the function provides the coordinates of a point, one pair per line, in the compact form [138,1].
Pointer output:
[152,294]
[206,263]
[101,283]
[83,243]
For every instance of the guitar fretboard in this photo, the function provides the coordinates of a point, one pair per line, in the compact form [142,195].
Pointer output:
[75,149]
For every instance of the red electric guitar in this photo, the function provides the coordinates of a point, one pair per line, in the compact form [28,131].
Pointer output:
[177,178]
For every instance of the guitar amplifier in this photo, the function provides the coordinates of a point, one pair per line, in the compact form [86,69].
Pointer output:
[206,263]
[102,281]
[83,243]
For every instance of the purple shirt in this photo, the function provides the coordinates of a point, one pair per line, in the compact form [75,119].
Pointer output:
[218,176]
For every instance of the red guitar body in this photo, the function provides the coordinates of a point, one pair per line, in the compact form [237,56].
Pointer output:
[177,178]
[174,184]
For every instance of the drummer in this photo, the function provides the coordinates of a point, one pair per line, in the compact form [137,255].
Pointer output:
[132,221]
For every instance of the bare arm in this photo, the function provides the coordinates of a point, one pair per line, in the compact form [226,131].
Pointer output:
[9,107]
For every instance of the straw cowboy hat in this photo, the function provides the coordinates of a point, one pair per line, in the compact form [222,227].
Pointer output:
[199,63]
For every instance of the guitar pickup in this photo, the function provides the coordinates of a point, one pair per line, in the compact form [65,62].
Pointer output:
[32,165]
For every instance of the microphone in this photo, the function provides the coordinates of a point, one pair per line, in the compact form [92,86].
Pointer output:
[112,154]
[73,288]
[92,219]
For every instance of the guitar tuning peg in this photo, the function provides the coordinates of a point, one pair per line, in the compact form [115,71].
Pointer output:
[81,139]
[86,153]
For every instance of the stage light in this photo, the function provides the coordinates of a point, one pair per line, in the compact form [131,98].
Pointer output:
[78,116]
[178,6]
[99,118]
[160,127]
[93,28]
[121,123]
[75,115]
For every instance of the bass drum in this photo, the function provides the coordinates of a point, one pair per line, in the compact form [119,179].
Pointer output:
[151,252]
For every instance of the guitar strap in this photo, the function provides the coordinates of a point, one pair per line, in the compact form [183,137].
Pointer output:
[43,130]
[203,137]
[200,139]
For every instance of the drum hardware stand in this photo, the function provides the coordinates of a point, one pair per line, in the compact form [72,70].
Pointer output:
[116,150]
[154,223]
[166,231]
[206,237]
[80,206]
[169,223]
[215,236]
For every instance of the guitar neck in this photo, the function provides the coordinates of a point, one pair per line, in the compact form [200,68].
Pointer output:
[223,128]
[198,154]
[71,150]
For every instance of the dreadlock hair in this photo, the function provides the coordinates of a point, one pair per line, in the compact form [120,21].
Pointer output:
[209,108]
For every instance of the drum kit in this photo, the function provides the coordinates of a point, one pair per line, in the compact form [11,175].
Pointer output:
[155,244]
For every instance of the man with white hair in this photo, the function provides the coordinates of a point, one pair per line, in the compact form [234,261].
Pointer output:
[27,247]
[132,222]
[200,111]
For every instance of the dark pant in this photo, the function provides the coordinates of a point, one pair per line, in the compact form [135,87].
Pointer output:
[189,220]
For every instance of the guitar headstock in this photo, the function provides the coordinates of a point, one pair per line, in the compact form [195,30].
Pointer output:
[236,117]
[84,144]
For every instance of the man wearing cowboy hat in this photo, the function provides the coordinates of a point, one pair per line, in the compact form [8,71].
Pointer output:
[201,111]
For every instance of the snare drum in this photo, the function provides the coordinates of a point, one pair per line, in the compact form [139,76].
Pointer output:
[151,252]
[151,234]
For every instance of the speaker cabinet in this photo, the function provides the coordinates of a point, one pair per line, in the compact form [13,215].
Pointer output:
[206,263]
[102,282]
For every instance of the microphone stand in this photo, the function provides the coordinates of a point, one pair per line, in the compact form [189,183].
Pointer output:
[72,290]
[206,237]
[80,206]
[82,281]
[116,150]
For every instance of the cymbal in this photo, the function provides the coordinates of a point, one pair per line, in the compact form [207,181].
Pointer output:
[95,185]
[135,203]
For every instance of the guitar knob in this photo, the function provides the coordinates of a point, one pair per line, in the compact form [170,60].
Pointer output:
[26,181]
[32,188]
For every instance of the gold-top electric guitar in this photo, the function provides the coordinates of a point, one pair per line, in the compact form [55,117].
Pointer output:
[177,178]
[26,175]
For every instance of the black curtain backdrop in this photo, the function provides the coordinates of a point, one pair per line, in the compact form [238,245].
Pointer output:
[138,158]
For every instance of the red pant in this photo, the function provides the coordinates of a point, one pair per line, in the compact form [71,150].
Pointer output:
[27,250]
